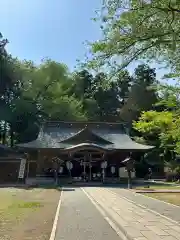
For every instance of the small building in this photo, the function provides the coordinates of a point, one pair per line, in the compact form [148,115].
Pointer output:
[10,162]
[80,150]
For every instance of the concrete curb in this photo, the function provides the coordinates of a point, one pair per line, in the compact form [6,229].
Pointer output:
[122,233]
[54,228]
[157,191]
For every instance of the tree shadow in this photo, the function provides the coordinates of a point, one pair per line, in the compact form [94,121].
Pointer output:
[30,187]
[69,186]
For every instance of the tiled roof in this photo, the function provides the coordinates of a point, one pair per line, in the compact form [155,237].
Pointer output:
[68,135]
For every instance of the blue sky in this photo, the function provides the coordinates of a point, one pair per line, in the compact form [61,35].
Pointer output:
[50,28]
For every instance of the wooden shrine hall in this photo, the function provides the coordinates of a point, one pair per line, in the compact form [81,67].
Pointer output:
[79,150]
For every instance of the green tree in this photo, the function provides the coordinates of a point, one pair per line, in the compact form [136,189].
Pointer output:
[82,88]
[99,96]
[109,95]
[160,129]
[7,83]
[123,83]
[142,95]
[136,29]
[41,95]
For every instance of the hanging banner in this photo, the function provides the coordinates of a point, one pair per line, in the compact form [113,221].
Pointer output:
[61,169]
[22,168]
[104,164]
[69,165]
[113,169]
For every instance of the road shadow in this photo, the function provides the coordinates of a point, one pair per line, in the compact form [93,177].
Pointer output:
[65,189]
[71,186]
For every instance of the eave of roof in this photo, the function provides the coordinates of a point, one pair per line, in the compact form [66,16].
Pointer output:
[111,137]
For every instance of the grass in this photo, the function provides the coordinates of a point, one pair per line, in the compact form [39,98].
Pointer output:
[173,198]
[156,186]
[31,205]
[27,214]
[12,206]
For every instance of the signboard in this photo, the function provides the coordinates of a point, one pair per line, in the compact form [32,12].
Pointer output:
[22,168]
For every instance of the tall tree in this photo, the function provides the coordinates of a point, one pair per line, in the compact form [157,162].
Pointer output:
[106,96]
[123,83]
[42,95]
[136,29]
[82,88]
[7,81]
[142,95]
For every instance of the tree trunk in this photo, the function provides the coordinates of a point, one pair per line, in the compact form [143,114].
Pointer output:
[4,133]
[129,180]
[12,137]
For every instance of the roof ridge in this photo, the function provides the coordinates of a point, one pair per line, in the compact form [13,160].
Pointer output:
[85,130]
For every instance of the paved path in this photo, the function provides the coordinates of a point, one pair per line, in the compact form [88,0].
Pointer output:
[163,208]
[136,222]
[97,213]
[80,220]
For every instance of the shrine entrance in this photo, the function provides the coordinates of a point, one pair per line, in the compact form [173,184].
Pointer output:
[88,165]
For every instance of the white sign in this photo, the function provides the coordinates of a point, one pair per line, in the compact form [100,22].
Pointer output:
[104,164]
[69,165]
[22,168]
[113,169]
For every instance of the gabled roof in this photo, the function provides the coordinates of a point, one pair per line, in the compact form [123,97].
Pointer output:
[66,135]
[86,135]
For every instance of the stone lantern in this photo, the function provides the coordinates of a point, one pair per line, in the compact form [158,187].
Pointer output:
[56,162]
[103,166]
[129,163]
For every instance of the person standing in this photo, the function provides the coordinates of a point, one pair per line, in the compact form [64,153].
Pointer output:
[149,173]
[149,176]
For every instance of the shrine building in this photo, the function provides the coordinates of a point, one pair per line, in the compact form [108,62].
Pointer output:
[79,149]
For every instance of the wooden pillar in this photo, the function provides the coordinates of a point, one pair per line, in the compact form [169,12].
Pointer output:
[90,166]
[105,171]
[27,159]
[39,163]
[70,157]
[84,165]
[84,170]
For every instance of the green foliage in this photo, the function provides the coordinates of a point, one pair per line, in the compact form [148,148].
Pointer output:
[142,87]
[154,123]
[162,128]
[134,29]
[169,96]
[50,91]
[33,93]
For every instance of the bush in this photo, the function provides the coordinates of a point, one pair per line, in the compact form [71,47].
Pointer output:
[172,176]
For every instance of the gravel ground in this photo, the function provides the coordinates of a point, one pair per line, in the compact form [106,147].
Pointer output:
[163,208]
[19,220]
[80,220]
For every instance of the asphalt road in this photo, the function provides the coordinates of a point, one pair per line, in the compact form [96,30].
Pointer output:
[79,219]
